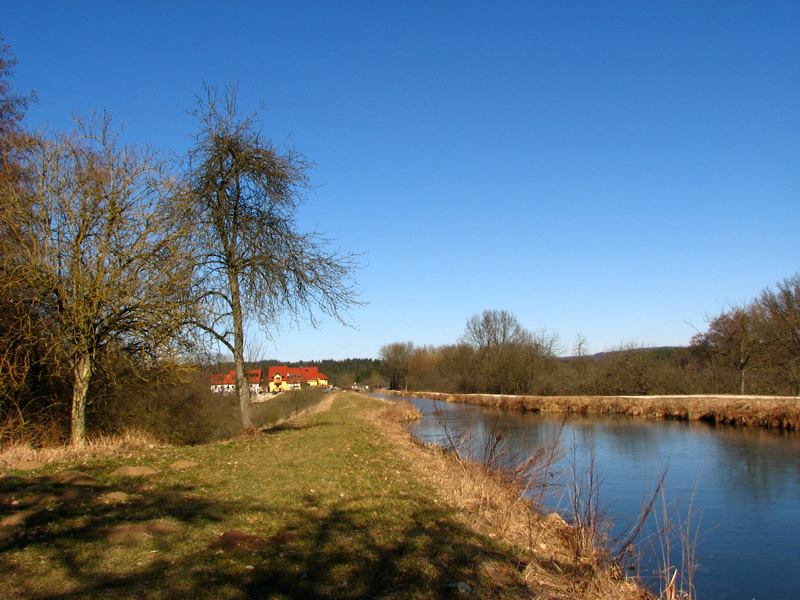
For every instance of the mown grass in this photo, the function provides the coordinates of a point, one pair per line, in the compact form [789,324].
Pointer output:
[321,507]
[339,503]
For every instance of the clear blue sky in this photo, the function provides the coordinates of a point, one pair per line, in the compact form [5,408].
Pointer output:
[615,169]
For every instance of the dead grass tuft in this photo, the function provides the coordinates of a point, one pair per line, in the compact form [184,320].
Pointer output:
[403,410]
[98,446]
[238,541]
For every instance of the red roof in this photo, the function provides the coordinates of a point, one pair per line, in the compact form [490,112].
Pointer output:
[296,374]
[253,376]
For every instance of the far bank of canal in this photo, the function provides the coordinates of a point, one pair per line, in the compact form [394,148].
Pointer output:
[743,485]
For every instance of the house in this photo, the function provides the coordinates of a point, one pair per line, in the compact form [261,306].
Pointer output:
[225,383]
[284,378]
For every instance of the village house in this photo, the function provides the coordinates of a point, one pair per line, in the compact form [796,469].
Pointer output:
[225,383]
[284,378]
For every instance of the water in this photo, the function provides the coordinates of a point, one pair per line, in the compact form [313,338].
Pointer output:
[743,485]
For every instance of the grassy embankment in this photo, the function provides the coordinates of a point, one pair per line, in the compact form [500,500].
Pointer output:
[757,411]
[339,503]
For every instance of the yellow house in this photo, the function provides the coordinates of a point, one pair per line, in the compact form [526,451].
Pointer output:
[284,378]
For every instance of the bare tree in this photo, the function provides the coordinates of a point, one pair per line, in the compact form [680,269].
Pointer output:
[18,343]
[782,320]
[255,265]
[97,256]
[507,357]
[493,329]
[15,141]
[396,363]
[736,338]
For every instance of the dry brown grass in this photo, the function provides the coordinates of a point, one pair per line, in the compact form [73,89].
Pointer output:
[98,446]
[403,410]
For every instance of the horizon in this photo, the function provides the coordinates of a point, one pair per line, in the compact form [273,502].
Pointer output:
[615,170]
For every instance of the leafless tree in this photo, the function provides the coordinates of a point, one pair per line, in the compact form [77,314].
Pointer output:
[15,140]
[98,258]
[735,338]
[396,363]
[255,265]
[493,329]
[782,319]
[507,357]
[18,344]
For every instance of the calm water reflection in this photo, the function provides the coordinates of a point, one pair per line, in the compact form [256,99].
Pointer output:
[746,485]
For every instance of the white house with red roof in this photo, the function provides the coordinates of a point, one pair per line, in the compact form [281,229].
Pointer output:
[225,383]
[282,378]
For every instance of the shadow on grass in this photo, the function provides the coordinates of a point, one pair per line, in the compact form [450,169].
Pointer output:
[289,426]
[342,549]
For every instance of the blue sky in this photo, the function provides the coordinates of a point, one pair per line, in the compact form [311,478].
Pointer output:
[615,169]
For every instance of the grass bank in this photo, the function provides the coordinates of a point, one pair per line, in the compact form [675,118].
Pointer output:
[757,411]
[338,503]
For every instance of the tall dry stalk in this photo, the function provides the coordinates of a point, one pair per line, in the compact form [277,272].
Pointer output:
[677,582]
[531,471]
[589,537]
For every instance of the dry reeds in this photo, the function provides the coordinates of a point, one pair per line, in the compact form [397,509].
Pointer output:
[403,410]
[503,495]
[16,453]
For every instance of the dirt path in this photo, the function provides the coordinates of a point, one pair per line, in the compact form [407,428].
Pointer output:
[321,406]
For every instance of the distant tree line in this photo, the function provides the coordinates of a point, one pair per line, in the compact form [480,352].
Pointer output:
[342,373]
[749,349]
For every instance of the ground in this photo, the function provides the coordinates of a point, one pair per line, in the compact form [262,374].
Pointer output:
[339,503]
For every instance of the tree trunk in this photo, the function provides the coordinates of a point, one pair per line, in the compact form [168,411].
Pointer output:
[81,374]
[242,384]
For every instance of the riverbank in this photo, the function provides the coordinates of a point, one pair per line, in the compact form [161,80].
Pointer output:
[752,411]
[341,503]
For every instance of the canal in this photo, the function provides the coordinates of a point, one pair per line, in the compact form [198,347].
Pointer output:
[737,488]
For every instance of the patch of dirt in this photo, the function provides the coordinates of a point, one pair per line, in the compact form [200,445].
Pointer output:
[128,471]
[28,504]
[69,478]
[114,497]
[28,465]
[26,496]
[183,464]
[122,531]
[39,499]
[238,541]
[26,517]
[73,494]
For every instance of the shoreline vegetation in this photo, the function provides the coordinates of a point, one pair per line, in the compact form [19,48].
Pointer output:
[775,412]
[339,502]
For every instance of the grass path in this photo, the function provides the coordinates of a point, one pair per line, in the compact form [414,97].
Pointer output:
[328,506]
